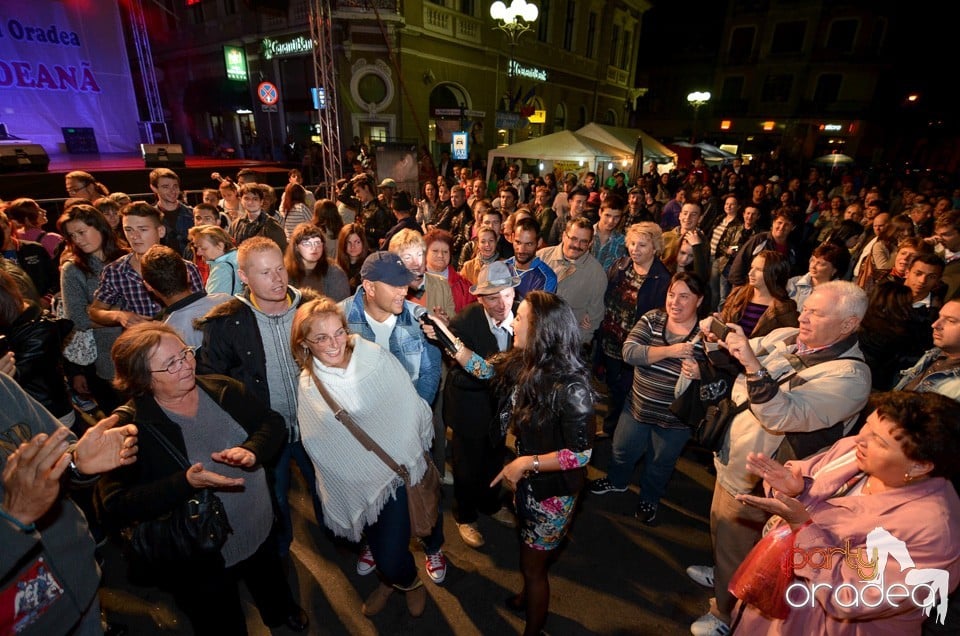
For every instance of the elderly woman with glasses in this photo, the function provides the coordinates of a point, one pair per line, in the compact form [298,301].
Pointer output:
[229,439]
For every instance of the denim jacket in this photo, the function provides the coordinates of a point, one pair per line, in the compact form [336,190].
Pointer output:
[420,358]
[945,382]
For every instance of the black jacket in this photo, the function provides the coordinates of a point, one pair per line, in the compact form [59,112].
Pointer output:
[469,405]
[232,345]
[568,424]
[156,484]
[36,341]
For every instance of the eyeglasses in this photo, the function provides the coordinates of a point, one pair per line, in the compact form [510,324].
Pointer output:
[312,243]
[576,241]
[324,339]
[74,190]
[177,363]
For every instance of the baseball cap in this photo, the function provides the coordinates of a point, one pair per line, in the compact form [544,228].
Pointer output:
[386,267]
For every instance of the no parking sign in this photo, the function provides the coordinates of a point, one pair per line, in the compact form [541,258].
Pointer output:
[268,94]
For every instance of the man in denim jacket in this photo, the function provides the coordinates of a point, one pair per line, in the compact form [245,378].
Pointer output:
[379,312]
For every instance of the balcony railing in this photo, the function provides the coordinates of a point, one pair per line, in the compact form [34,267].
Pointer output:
[451,23]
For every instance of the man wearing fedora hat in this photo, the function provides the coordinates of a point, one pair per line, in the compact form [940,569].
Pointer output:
[469,405]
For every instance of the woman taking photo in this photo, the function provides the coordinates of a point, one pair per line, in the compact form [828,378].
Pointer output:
[762,305]
[228,437]
[547,401]
[658,346]
[361,495]
[307,266]
[352,249]
[886,493]
[215,246]
[90,245]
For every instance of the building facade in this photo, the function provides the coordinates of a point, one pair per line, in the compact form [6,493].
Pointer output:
[410,71]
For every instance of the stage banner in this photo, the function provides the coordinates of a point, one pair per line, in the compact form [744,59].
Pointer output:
[64,64]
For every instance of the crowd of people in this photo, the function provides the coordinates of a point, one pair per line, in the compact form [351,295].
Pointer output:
[478,313]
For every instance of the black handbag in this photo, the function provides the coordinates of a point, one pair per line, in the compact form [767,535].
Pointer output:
[197,527]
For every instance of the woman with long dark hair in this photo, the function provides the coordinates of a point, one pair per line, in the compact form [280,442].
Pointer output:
[327,217]
[308,266]
[547,400]
[763,304]
[91,244]
[352,249]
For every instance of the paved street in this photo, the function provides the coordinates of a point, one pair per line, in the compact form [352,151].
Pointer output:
[615,576]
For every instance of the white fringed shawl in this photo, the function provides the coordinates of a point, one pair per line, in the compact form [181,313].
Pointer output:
[354,484]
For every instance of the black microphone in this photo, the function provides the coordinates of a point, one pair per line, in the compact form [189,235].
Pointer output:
[443,334]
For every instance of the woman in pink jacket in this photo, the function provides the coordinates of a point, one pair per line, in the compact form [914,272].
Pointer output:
[876,524]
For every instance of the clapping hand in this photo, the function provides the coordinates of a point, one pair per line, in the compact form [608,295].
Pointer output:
[106,446]
[786,483]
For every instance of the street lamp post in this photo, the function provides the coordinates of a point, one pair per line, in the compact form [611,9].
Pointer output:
[514,21]
[697,99]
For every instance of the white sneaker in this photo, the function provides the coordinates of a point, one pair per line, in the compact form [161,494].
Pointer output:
[702,574]
[365,562]
[436,566]
[709,625]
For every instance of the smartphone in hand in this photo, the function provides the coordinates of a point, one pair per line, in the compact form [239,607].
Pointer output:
[719,329]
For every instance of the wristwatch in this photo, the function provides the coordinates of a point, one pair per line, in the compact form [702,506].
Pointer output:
[759,374]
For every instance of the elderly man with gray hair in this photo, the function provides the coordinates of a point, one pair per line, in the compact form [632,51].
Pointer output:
[804,388]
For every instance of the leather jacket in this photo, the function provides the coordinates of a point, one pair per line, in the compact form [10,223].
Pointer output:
[36,341]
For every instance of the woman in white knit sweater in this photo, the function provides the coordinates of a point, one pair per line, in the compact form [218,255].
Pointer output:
[360,493]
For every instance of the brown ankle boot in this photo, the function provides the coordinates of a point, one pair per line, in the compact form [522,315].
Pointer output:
[417,600]
[378,600]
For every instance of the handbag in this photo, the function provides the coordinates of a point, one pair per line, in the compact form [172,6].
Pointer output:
[707,408]
[763,577]
[423,497]
[80,348]
[197,527]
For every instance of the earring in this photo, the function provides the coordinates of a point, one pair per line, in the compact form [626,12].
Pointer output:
[907,478]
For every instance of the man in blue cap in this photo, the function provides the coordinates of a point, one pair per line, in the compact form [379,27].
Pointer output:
[379,312]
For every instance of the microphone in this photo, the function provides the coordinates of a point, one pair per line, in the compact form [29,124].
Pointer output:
[443,333]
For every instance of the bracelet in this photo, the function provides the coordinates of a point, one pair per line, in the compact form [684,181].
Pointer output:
[24,527]
[457,346]
[536,464]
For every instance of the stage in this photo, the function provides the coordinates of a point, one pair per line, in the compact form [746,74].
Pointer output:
[127,173]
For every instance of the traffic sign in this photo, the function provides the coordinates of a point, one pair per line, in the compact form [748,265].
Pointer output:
[268,93]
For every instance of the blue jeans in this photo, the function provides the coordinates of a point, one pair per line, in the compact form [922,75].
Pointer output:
[619,379]
[631,441]
[389,541]
[281,486]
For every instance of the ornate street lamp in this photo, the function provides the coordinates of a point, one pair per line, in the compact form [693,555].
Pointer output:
[697,99]
[514,21]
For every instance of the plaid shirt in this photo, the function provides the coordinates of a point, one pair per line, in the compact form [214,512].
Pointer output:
[122,286]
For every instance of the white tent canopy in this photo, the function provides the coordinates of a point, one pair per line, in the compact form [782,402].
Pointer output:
[626,139]
[564,146]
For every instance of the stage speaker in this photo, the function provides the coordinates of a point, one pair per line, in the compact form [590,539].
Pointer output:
[162,155]
[23,158]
